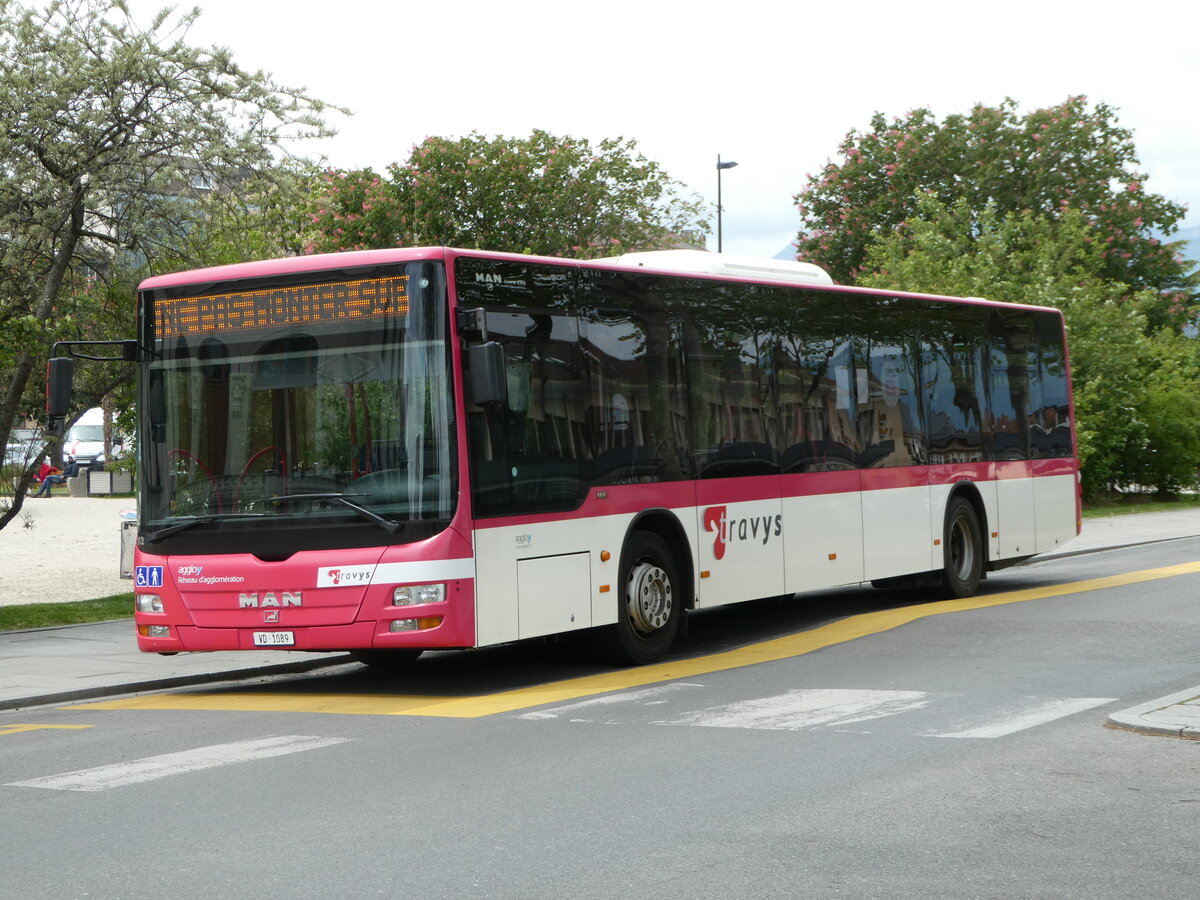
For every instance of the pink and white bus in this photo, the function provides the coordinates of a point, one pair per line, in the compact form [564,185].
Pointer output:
[399,450]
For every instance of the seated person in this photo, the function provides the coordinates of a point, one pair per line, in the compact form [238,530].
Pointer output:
[49,476]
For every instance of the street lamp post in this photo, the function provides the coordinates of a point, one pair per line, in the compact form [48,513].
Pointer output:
[720,166]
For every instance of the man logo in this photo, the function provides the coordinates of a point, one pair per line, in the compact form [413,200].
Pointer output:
[270,616]
[286,598]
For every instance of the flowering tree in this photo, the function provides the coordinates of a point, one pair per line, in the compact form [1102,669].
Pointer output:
[1067,157]
[543,194]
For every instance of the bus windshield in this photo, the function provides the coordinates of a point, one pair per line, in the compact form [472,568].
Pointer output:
[313,404]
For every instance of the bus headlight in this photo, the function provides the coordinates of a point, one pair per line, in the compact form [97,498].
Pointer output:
[421,624]
[414,594]
[151,603]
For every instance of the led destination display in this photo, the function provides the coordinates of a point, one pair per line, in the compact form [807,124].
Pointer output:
[329,302]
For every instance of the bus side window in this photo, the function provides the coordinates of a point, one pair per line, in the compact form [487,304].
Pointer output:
[816,386]
[531,452]
[1009,337]
[952,368]
[1050,426]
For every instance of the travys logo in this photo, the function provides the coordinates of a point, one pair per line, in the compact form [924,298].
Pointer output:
[748,528]
[344,576]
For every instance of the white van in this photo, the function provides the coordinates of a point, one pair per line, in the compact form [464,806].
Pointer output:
[85,439]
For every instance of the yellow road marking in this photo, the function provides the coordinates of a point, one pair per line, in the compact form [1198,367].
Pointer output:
[785,647]
[18,729]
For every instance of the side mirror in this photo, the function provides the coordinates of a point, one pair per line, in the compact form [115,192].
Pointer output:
[60,373]
[156,406]
[488,382]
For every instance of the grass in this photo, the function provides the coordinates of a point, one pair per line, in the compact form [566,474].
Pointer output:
[1130,504]
[46,615]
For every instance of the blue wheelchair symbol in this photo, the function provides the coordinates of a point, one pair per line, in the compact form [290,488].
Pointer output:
[148,576]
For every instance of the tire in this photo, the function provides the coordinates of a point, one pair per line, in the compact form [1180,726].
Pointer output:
[386,659]
[963,551]
[650,603]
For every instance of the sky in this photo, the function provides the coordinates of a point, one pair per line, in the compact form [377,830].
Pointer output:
[771,85]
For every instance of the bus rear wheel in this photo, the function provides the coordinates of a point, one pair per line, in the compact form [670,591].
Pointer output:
[649,603]
[962,549]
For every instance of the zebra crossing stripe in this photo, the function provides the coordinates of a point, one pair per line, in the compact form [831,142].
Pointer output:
[999,723]
[103,778]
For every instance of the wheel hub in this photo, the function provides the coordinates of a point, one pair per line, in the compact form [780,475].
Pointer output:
[649,597]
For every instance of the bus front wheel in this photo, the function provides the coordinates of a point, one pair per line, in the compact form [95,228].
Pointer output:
[649,603]
[963,550]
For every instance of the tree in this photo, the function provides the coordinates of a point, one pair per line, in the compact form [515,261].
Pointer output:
[1067,158]
[261,216]
[1137,387]
[557,196]
[110,134]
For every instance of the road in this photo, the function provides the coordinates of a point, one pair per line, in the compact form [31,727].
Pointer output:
[852,744]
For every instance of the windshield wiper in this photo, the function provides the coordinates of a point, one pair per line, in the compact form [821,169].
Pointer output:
[389,525]
[153,537]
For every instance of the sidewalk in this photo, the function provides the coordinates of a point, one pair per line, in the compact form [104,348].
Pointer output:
[64,549]
[59,665]
[78,662]
[1176,715]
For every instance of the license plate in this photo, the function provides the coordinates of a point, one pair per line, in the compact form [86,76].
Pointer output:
[274,638]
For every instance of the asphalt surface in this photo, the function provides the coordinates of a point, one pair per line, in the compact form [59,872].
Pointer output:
[59,665]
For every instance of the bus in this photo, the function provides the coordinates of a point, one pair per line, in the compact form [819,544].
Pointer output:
[392,451]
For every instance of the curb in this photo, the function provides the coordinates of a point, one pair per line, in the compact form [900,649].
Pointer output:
[160,684]
[1063,554]
[1155,717]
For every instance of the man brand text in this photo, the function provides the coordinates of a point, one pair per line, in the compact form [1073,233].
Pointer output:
[285,598]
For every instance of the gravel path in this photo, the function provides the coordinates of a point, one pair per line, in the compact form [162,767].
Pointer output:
[71,550]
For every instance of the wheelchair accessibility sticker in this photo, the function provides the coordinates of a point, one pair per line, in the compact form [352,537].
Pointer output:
[148,576]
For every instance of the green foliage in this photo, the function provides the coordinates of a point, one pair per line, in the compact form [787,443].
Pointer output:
[1137,388]
[260,215]
[1065,160]
[117,141]
[557,196]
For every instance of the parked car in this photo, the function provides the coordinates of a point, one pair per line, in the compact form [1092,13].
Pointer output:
[22,448]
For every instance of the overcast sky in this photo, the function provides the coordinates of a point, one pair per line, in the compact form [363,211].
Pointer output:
[773,86]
